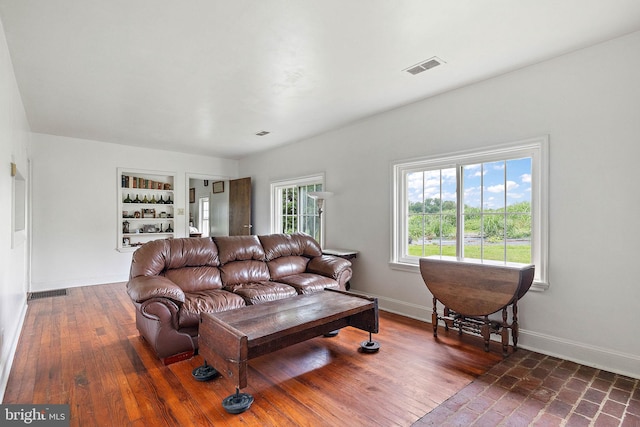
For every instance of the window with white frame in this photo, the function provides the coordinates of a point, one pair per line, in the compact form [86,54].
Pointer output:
[203,217]
[489,204]
[293,210]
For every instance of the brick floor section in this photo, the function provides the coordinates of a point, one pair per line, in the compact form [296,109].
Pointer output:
[529,388]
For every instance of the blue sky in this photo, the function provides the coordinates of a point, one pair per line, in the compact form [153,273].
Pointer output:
[490,175]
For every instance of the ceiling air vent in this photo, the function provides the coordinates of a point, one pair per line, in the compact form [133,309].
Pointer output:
[424,66]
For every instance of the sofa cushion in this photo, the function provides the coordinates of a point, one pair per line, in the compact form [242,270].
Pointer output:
[209,301]
[192,252]
[193,279]
[307,283]
[149,259]
[280,245]
[256,293]
[286,266]
[154,257]
[308,245]
[239,248]
[238,272]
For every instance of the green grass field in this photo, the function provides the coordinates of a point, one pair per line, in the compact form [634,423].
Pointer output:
[515,253]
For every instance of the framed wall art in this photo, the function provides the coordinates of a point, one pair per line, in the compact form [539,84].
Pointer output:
[218,187]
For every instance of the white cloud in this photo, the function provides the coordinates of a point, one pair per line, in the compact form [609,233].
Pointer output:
[526,177]
[511,185]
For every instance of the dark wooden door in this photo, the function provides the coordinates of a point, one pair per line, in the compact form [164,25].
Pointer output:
[240,207]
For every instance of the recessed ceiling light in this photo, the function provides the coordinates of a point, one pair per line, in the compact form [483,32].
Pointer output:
[263,133]
[424,65]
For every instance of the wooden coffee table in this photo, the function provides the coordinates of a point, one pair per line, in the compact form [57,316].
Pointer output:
[229,339]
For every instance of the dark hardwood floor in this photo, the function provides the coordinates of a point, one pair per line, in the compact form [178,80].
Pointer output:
[83,349]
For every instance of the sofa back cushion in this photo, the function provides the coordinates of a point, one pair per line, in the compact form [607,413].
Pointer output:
[239,248]
[195,279]
[191,263]
[241,272]
[149,259]
[299,244]
[279,245]
[287,266]
[192,252]
[309,246]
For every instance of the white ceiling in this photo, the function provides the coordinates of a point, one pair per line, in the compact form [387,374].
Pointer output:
[203,76]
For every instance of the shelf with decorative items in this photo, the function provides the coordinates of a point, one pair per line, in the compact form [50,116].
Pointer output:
[145,207]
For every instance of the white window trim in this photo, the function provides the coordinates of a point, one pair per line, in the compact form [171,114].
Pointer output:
[276,199]
[537,148]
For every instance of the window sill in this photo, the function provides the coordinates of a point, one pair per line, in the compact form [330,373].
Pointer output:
[414,268]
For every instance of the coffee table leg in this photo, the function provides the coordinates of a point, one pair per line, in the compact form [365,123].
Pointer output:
[370,346]
[237,403]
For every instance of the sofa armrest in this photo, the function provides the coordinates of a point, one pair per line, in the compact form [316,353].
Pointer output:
[142,288]
[329,266]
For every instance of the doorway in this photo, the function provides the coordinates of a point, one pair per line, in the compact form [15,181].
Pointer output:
[228,206]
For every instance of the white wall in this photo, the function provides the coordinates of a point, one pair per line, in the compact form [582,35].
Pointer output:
[588,102]
[14,140]
[218,206]
[75,190]
[219,212]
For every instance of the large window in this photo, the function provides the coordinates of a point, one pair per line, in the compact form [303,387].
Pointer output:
[486,205]
[292,208]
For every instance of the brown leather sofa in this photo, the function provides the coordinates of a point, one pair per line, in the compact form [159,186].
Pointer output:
[173,281]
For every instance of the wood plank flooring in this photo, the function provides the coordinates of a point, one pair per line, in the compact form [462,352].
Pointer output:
[83,349]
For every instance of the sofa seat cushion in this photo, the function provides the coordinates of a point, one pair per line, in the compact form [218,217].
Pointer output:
[307,283]
[208,301]
[259,292]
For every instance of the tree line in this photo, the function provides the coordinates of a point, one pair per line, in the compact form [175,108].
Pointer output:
[436,219]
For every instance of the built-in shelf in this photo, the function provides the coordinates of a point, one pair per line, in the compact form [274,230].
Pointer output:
[140,222]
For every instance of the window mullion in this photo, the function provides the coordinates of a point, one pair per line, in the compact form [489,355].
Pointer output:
[459,212]
[482,218]
[504,223]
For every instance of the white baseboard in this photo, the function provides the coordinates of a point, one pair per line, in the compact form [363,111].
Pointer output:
[75,283]
[585,354]
[8,362]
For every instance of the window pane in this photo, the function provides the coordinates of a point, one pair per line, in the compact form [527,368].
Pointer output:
[415,192]
[519,182]
[416,229]
[431,222]
[472,186]
[518,221]
[494,186]
[493,237]
[471,204]
[289,209]
[488,232]
[519,238]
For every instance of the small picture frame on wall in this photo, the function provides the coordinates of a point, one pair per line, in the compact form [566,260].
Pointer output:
[192,195]
[218,187]
[206,182]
